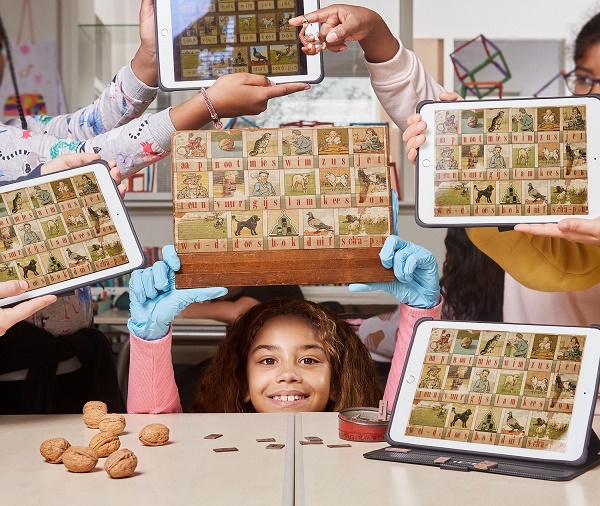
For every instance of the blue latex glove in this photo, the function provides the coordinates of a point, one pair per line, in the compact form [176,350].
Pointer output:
[417,282]
[395,206]
[154,299]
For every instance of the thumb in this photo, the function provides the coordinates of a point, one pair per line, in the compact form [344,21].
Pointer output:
[200,294]
[368,287]
[12,287]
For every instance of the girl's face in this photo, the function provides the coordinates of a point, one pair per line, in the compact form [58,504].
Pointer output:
[589,65]
[288,370]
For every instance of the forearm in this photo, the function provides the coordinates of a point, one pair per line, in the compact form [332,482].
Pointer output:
[151,387]
[224,311]
[123,100]
[407,320]
[400,83]
[380,45]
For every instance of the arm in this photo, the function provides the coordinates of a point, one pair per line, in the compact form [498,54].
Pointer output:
[416,286]
[151,387]
[224,311]
[154,303]
[407,319]
[398,77]
[126,98]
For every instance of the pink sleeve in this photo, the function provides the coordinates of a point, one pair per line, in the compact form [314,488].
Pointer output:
[408,317]
[151,387]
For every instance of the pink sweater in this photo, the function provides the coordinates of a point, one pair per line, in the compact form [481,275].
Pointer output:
[152,387]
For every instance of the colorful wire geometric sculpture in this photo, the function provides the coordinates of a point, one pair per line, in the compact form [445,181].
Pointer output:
[493,63]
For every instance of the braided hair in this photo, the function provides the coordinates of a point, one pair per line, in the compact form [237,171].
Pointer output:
[4,42]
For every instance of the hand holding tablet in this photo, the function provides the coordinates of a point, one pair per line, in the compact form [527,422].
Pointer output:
[64,230]
[199,41]
[503,162]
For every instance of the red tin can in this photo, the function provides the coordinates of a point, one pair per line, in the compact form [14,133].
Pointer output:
[361,424]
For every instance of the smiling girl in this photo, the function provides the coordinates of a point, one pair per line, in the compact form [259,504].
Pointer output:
[279,356]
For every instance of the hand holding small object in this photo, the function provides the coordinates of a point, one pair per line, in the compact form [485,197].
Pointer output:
[154,300]
[417,281]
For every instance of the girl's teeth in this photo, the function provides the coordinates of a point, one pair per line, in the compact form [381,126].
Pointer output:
[287,398]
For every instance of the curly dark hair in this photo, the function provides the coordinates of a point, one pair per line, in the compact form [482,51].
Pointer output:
[472,284]
[353,378]
[588,36]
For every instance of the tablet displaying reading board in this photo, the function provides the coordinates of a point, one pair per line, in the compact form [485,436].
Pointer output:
[65,230]
[503,162]
[520,391]
[201,40]
[281,206]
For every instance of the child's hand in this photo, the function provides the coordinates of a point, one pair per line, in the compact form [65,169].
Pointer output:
[242,94]
[154,301]
[69,161]
[417,281]
[572,229]
[144,61]
[72,160]
[413,135]
[12,315]
[340,24]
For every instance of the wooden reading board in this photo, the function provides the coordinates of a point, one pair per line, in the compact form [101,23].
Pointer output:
[281,206]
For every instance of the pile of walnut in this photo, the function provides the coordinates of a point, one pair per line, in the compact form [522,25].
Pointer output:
[120,462]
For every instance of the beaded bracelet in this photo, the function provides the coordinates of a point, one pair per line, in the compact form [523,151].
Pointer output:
[213,114]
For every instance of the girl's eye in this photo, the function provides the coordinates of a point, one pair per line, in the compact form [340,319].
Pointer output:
[267,361]
[309,360]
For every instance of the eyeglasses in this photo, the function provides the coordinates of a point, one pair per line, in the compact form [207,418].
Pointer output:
[579,84]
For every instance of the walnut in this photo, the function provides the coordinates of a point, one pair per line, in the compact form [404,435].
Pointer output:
[52,449]
[95,405]
[80,459]
[155,434]
[112,423]
[105,444]
[93,412]
[121,463]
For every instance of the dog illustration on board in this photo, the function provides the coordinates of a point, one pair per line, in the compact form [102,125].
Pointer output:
[462,417]
[486,192]
[30,267]
[250,224]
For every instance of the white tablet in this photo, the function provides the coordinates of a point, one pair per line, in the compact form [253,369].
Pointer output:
[201,40]
[65,230]
[522,391]
[503,162]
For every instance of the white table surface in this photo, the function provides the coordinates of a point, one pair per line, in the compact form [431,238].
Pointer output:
[186,471]
[342,476]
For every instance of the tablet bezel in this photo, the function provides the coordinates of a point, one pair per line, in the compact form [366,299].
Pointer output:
[583,403]
[119,217]
[425,163]
[166,60]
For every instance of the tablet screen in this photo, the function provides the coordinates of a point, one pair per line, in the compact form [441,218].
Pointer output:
[64,229]
[514,389]
[509,161]
[211,38]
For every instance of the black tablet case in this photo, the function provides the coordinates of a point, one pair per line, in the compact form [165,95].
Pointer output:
[465,461]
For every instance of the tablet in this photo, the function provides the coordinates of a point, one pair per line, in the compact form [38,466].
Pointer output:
[503,162]
[521,391]
[201,40]
[65,230]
